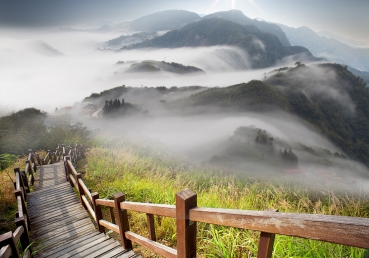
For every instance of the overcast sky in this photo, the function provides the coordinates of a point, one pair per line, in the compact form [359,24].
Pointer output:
[347,18]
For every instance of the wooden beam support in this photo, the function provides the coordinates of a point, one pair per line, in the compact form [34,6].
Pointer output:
[186,229]
[98,212]
[122,220]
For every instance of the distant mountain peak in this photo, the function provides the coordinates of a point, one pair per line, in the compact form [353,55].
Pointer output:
[238,16]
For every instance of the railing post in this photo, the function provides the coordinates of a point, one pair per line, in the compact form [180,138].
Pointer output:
[122,219]
[186,229]
[24,239]
[98,212]
[21,186]
[67,170]
[112,216]
[30,172]
[49,156]
[80,190]
[266,243]
[25,181]
[151,226]
[18,193]
[8,239]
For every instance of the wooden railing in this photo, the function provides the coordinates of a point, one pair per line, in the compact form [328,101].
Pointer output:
[8,241]
[350,231]
[23,181]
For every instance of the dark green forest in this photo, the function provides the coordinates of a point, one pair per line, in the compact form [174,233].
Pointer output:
[31,128]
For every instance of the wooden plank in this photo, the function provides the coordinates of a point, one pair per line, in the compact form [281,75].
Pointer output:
[152,245]
[17,234]
[36,192]
[5,251]
[109,225]
[70,246]
[104,249]
[70,197]
[151,226]
[65,210]
[61,188]
[61,239]
[85,189]
[35,200]
[89,208]
[108,203]
[155,209]
[335,229]
[266,243]
[57,224]
[36,223]
[73,226]
[117,251]
[89,248]
[122,220]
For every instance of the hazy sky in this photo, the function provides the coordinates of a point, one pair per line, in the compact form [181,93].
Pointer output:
[347,18]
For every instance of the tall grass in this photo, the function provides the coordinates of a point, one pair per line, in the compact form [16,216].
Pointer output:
[146,172]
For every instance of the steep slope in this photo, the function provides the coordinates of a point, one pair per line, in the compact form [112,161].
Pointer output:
[328,96]
[263,48]
[328,48]
[238,17]
[165,20]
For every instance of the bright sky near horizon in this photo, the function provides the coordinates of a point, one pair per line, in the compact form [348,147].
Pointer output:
[341,17]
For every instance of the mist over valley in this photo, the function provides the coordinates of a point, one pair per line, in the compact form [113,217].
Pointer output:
[223,90]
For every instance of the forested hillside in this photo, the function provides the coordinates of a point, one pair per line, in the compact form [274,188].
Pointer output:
[328,96]
[31,128]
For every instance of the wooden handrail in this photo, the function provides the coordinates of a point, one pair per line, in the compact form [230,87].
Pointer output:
[342,230]
[85,189]
[152,245]
[5,251]
[155,209]
[109,225]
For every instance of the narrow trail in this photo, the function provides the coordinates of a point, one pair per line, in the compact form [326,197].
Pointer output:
[61,224]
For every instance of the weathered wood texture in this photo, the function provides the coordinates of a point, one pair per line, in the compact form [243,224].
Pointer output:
[60,223]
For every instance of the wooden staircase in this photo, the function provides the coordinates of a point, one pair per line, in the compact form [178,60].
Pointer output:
[60,224]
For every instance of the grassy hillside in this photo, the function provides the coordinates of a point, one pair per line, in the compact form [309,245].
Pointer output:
[147,172]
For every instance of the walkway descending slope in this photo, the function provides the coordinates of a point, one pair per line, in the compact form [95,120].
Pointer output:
[61,223]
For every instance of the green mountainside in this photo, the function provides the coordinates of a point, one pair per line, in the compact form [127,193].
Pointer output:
[328,96]
[264,48]
[238,17]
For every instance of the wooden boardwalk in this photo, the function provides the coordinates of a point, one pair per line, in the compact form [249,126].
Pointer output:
[61,224]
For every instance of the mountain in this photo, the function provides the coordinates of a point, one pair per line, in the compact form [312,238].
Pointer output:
[328,48]
[126,40]
[156,66]
[328,96]
[362,74]
[165,20]
[237,16]
[349,42]
[263,48]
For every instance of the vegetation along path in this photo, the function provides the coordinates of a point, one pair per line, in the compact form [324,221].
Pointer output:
[61,224]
